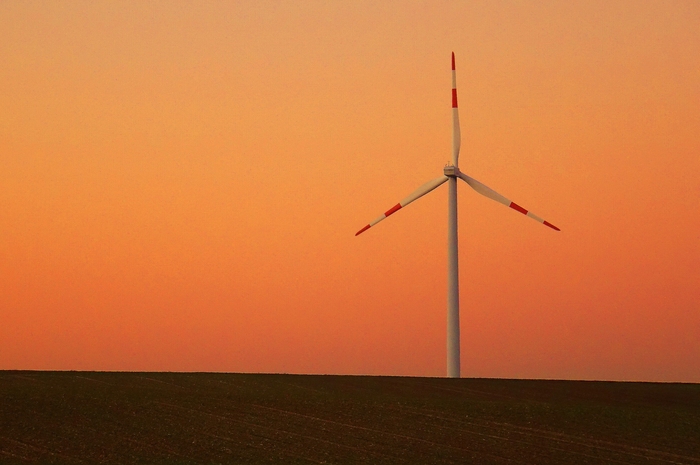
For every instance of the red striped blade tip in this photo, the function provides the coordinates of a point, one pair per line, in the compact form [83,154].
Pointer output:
[547,223]
[362,230]
[393,209]
[453,61]
[517,207]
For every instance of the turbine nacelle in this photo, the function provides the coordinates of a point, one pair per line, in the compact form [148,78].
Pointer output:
[451,171]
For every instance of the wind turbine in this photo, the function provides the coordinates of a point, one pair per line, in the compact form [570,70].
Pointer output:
[450,174]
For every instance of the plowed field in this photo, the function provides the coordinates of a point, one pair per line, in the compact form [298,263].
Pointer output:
[96,417]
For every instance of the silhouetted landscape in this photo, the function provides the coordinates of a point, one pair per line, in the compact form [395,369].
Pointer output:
[113,417]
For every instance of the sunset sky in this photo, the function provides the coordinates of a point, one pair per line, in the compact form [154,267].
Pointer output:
[181,182]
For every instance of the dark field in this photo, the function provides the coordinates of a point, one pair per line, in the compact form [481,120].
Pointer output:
[91,417]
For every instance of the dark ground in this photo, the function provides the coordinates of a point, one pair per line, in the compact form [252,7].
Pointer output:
[92,417]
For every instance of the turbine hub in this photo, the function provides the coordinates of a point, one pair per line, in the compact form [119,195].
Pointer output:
[451,171]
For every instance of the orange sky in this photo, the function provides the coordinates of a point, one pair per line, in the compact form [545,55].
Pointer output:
[180,184]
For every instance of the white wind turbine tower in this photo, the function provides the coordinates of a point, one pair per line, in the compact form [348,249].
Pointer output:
[451,173]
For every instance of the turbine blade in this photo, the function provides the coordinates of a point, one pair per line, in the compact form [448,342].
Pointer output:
[456,136]
[415,195]
[493,195]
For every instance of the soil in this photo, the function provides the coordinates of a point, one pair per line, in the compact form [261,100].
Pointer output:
[110,417]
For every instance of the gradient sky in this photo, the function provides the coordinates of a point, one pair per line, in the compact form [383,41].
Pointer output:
[180,185]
